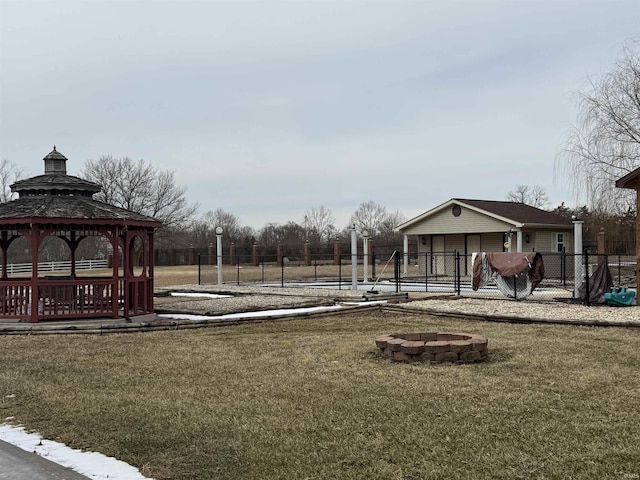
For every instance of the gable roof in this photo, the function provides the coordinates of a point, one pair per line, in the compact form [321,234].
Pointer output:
[518,214]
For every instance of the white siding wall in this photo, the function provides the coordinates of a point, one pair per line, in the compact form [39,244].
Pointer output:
[545,241]
[469,221]
[492,242]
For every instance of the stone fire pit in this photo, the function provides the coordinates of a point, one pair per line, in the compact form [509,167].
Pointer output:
[438,347]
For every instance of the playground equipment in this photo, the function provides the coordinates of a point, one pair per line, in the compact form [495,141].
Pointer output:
[620,297]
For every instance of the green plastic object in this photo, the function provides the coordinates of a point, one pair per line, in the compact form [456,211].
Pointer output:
[620,297]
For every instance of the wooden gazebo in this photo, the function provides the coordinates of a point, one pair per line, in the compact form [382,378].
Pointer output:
[61,205]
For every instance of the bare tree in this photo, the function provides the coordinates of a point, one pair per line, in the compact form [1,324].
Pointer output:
[142,188]
[371,217]
[9,174]
[319,223]
[536,196]
[290,235]
[219,218]
[605,145]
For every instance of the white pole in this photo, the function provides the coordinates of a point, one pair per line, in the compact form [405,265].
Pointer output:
[354,258]
[365,255]
[406,254]
[219,253]
[519,241]
[577,256]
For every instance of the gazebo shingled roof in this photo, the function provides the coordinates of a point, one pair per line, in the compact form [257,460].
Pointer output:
[69,208]
[63,205]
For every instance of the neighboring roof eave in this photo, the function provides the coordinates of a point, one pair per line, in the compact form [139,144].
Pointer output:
[630,180]
[547,225]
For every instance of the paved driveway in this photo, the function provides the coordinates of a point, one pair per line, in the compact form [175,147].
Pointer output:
[18,464]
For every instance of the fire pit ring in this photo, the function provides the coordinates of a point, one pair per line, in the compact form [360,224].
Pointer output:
[434,347]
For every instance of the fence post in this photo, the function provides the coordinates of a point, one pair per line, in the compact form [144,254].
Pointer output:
[458,272]
[619,269]
[426,270]
[396,272]
[256,254]
[279,255]
[586,277]
[199,270]
[307,253]
[232,253]
[211,253]
[373,263]
[601,246]
[238,270]
[336,253]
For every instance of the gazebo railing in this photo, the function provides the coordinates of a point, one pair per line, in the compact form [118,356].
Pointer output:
[15,299]
[85,297]
[59,298]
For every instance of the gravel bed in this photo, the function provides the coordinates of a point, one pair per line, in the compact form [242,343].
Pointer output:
[250,298]
[550,311]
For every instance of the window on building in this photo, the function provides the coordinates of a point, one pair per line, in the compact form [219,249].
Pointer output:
[559,242]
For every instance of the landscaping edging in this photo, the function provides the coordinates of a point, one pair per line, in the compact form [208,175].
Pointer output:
[434,347]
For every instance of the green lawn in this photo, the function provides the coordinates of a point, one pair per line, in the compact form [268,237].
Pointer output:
[309,399]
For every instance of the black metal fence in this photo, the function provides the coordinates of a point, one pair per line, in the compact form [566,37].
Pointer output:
[415,272]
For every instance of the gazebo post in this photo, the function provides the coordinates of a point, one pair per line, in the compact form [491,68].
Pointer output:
[128,272]
[33,300]
[150,255]
[114,240]
[4,243]
[73,244]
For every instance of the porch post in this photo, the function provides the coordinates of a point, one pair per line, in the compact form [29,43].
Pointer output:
[406,254]
[519,241]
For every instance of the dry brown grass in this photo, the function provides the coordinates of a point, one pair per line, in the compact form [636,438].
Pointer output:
[188,274]
[310,399]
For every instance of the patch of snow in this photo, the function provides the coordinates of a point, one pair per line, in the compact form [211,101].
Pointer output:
[90,464]
[265,313]
[199,295]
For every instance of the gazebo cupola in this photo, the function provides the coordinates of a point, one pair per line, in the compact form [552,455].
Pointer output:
[59,205]
[55,181]
[55,162]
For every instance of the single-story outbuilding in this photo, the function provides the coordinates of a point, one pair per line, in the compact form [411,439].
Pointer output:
[467,226]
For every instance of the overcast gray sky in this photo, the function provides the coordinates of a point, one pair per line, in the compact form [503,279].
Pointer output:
[267,109]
